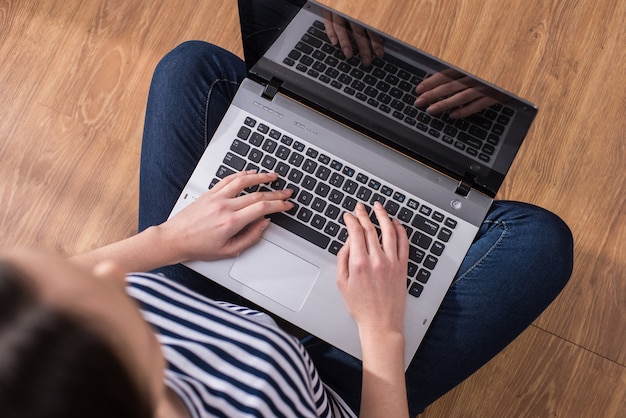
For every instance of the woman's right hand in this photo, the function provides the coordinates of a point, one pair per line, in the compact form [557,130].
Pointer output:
[372,273]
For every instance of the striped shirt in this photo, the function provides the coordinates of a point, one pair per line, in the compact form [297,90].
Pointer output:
[227,360]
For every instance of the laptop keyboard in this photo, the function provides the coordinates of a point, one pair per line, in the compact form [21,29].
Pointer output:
[388,85]
[325,187]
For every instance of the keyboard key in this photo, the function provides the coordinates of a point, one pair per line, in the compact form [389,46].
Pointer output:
[244,132]
[305,198]
[336,180]
[350,187]
[309,166]
[336,196]
[335,247]
[405,215]
[240,147]
[378,198]
[322,173]
[364,193]
[256,139]
[322,189]
[295,175]
[430,262]
[444,235]
[234,161]
[392,208]
[386,191]
[283,152]
[308,182]
[416,289]
[423,276]
[425,225]
[269,146]
[332,212]
[282,169]
[318,205]
[304,214]
[300,229]
[450,223]
[349,204]
[437,248]
[296,159]
[332,229]
[415,254]
[421,240]
[223,171]
[373,184]
[318,222]
[255,156]
[268,162]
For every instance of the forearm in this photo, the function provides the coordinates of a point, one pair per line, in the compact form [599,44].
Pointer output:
[142,252]
[384,387]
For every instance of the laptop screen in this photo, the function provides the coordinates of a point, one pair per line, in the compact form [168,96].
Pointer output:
[395,93]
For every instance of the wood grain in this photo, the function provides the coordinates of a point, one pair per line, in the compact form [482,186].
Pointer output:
[73,84]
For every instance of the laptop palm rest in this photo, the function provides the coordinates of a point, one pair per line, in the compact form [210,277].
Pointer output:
[275,273]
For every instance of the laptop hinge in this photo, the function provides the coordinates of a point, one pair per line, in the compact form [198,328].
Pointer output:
[272,88]
[465,185]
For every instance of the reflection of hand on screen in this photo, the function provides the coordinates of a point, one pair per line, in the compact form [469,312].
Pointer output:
[451,90]
[340,31]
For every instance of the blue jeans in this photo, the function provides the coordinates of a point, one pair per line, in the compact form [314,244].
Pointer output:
[521,259]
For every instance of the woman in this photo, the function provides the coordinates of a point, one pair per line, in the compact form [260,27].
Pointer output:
[72,343]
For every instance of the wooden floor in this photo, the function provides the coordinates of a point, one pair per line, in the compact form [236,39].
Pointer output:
[74,77]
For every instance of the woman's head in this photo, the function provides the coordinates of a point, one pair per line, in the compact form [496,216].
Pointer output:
[72,343]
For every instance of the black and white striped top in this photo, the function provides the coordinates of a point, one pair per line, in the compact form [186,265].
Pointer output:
[226,360]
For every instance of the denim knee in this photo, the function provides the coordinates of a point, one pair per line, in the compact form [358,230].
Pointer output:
[543,236]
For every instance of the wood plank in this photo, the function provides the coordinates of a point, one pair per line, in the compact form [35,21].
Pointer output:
[558,380]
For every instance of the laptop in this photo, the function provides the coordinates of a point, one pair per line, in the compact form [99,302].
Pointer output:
[340,132]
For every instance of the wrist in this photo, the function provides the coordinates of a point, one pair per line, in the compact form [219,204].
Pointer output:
[164,245]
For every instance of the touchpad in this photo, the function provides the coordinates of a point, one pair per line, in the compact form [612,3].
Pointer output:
[276,273]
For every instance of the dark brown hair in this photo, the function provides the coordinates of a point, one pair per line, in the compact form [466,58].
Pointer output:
[53,365]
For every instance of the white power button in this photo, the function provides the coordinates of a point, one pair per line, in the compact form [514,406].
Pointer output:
[456,204]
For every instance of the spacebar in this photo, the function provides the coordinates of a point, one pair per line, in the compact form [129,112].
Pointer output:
[300,229]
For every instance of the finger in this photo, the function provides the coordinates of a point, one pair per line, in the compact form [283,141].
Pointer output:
[389,239]
[433,81]
[369,231]
[363,44]
[330,29]
[245,238]
[229,179]
[355,234]
[462,97]
[402,242]
[250,178]
[339,24]
[246,200]
[259,209]
[473,107]
[343,271]
[442,91]
[377,44]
